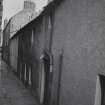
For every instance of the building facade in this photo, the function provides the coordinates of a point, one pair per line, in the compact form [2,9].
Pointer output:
[33,41]
[78,52]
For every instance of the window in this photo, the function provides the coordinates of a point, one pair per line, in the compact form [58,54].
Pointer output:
[30,76]
[49,23]
[100,90]
[32,38]
[25,73]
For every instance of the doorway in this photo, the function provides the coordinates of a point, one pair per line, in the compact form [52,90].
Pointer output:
[100,90]
[45,79]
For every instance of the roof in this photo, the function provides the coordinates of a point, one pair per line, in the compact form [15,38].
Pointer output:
[51,6]
[20,20]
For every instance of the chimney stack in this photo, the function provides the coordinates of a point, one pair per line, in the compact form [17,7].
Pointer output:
[29,5]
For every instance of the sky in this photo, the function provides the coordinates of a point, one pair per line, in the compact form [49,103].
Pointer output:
[11,7]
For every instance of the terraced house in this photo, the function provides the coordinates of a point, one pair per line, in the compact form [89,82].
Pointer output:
[61,53]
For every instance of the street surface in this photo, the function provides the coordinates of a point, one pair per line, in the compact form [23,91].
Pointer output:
[12,91]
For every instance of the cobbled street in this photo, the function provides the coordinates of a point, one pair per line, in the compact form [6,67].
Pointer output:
[12,91]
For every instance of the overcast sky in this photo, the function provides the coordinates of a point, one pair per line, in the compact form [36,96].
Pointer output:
[11,7]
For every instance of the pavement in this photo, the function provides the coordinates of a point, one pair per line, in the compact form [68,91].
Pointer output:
[12,91]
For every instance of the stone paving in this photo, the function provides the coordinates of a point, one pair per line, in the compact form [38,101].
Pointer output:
[12,91]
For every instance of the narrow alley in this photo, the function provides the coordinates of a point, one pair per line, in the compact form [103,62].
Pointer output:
[52,52]
[12,91]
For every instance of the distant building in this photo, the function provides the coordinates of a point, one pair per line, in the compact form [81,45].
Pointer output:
[1,14]
[5,44]
[1,11]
